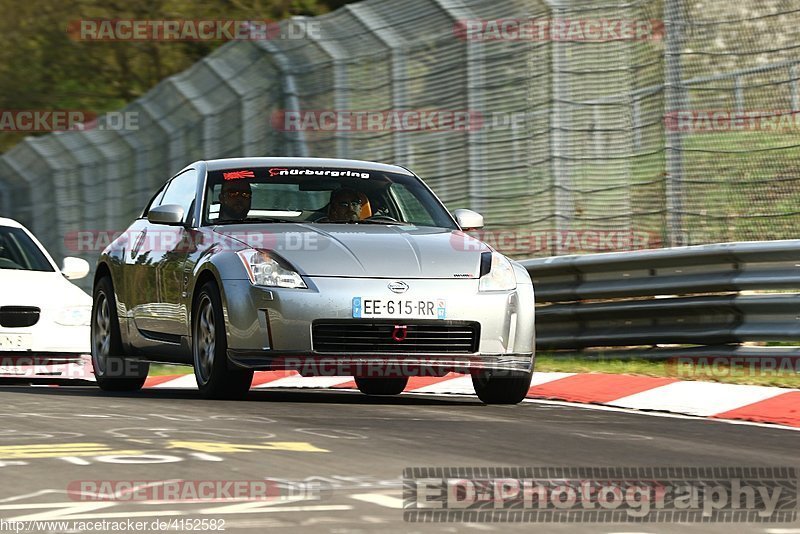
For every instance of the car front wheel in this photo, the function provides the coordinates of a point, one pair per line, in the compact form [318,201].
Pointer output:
[112,371]
[502,387]
[209,347]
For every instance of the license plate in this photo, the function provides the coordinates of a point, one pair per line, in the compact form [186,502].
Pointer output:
[15,341]
[399,308]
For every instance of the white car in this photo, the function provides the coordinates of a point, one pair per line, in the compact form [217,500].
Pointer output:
[43,316]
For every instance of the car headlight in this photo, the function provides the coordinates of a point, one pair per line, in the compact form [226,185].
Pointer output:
[267,270]
[75,316]
[500,275]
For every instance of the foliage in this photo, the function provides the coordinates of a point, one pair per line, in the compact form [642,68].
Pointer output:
[42,67]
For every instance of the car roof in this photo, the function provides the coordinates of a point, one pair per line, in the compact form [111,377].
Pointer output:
[10,222]
[331,163]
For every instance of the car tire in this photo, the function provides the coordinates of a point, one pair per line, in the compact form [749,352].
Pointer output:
[381,385]
[215,379]
[504,387]
[112,371]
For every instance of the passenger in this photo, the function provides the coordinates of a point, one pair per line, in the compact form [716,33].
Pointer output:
[344,206]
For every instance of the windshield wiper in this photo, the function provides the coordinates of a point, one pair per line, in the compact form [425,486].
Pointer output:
[363,221]
[259,220]
[379,221]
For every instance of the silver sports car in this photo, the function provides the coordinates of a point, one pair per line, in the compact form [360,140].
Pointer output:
[323,266]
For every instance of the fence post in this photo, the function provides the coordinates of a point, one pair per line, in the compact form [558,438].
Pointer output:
[299,146]
[477,168]
[341,102]
[739,94]
[562,182]
[674,101]
[384,32]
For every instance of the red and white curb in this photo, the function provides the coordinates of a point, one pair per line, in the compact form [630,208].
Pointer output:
[704,399]
[758,404]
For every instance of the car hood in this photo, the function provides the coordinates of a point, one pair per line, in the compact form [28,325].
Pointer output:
[41,289]
[366,250]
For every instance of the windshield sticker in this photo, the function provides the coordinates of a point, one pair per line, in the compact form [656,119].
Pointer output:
[238,175]
[280,171]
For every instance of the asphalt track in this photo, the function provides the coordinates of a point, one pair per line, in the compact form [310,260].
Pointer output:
[354,448]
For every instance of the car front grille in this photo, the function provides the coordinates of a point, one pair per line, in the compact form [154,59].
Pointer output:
[395,336]
[18,316]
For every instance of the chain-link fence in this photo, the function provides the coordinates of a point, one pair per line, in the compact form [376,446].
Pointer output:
[592,126]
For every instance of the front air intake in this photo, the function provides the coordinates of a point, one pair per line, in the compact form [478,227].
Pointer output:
[395,336]
[18,316]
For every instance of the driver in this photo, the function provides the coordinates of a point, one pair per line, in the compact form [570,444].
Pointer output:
[345,206]
[234,200]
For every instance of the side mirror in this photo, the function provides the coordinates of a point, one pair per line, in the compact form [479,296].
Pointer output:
[171,214]
[74,268]
[468,219]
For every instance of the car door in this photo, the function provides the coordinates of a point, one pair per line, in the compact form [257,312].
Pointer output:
[137,287]
[163,312]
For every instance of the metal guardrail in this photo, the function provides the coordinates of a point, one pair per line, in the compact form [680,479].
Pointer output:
[699,300]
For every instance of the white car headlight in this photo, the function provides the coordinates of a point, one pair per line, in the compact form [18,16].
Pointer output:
[265,270]
[75,316]
[500,276]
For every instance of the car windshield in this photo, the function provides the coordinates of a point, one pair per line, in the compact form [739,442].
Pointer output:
[320,196]
[18,251]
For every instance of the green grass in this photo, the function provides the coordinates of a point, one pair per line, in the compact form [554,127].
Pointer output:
[549,363]
[162,369]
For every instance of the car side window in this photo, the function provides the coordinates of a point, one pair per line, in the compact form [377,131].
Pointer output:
[181,191]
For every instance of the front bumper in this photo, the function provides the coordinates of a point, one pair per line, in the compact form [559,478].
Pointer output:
[271,328]
[315,364]
[49,337]
[31,357]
